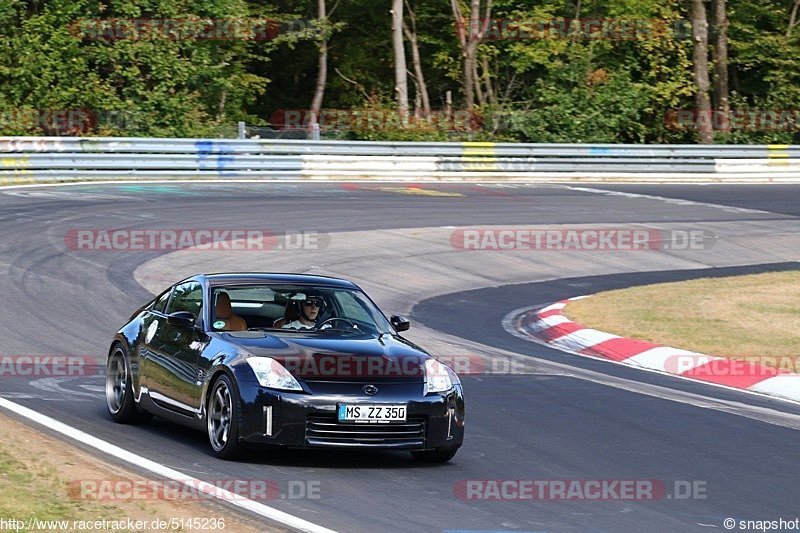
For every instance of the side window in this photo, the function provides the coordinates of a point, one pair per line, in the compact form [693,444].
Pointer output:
[187,297]
[161,303]
[351,308]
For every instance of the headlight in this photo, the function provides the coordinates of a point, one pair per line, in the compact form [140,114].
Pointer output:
[437,377]
[271,373]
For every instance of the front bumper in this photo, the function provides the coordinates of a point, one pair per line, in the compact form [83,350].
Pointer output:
[302,420]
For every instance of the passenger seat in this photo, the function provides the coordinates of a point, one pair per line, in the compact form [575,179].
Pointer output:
[223,312]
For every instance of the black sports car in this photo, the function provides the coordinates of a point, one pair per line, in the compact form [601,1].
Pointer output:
[284,360]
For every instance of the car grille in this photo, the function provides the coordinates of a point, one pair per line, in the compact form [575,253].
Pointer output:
[326,430]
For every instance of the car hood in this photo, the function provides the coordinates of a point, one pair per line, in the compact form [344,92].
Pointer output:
[360,359]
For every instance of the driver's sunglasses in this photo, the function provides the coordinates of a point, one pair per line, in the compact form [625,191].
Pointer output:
[315,303]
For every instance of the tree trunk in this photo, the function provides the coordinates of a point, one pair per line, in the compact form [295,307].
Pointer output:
[577,17]
[400,73]
[477,78]
[474,37]
[223,99]
[487,80]
[793,17]
[418,112]
[322,70]
[470,35]
[422,87]
[464,36]
[721,91]
[701,80]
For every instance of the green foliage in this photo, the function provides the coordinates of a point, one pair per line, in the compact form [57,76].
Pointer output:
[549,87]
[58,58]
[581,103]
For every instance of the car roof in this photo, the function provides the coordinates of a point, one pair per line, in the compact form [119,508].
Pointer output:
[226,278]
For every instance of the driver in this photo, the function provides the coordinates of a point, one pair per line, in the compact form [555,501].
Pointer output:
[309,311]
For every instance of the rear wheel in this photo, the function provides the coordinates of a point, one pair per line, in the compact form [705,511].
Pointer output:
[222,419]
[119,392]
[441,455]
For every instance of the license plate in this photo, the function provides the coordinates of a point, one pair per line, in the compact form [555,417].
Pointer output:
[372,414]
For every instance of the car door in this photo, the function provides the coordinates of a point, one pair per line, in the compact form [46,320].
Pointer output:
[175,377]
[147,350]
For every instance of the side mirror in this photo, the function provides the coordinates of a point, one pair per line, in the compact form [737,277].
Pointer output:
[400,323]
[181,318]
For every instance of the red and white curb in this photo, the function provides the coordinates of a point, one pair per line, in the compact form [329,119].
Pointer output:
[548,325]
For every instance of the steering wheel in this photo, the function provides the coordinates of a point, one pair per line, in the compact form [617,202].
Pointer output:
[352,324]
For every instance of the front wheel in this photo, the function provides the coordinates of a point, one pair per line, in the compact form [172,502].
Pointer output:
[222,419]
[119,392]
[441,455]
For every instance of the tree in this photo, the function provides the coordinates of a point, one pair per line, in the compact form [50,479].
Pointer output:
[400,68]
[702,83]
[540,76]
[720,57]
[470,34]
[79,55]
[410,31]
[793,17]
[322,68]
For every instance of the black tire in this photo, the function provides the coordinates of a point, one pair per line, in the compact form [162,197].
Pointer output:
[441,455]
[119,392]
[222,419]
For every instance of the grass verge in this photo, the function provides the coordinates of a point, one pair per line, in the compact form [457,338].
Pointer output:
[38,476]
[754,317]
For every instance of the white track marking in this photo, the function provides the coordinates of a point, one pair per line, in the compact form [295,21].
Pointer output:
[552,307]
[583,338]
[163,471]
[554,320]
[674,201]
[54,385]
[754,412]
[786,384]
[665,359]
[662,356]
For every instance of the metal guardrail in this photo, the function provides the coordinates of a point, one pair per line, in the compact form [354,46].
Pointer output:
[32,159]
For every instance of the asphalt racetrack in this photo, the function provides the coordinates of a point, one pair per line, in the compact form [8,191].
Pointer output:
[568,418]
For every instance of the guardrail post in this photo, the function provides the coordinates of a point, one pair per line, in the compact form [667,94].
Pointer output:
[242,130]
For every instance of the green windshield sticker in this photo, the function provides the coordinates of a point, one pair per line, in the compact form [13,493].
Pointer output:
[219,324]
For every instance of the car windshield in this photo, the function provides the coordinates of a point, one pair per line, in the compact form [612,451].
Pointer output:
[296,308]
